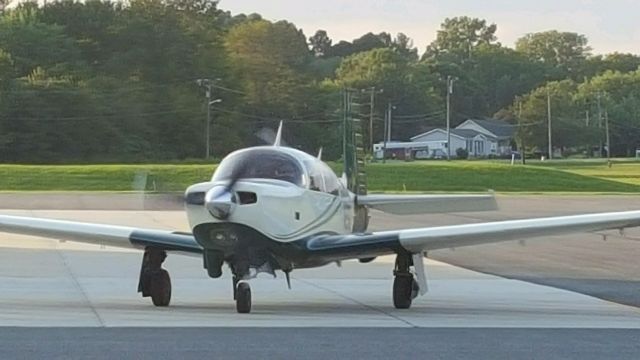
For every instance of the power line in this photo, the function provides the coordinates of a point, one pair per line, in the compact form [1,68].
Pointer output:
[258,117]
[224,88]
[102,116]
[439,112]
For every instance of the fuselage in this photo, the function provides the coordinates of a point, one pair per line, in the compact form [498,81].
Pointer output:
[263,197]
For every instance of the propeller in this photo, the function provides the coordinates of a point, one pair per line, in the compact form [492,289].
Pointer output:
[268,136]
[221,200]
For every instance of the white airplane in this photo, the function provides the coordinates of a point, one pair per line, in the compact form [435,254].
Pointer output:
[274,208]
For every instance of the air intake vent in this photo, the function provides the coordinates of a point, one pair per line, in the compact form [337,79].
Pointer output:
[195,198]
[247,197]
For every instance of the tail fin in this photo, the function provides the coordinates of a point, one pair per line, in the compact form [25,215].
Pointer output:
[354,154]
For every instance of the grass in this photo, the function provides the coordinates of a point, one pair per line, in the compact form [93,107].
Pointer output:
[463,176]
[419,176]
[171,177]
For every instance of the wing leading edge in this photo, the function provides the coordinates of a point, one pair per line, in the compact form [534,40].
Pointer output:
[443,237]
[110,235]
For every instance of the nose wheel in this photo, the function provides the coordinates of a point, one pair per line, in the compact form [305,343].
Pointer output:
[243,297]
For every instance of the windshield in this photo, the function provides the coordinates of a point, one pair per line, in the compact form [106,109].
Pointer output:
[260,164]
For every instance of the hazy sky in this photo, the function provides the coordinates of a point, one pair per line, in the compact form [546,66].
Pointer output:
[611,25]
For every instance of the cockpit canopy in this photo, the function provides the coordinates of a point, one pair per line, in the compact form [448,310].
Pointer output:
[261,163]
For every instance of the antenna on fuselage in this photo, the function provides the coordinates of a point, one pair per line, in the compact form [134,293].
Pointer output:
[278,135]
[320,154]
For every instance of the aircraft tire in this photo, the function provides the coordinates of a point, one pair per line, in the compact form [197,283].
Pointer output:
[160,288]
[243,298]
[402,291]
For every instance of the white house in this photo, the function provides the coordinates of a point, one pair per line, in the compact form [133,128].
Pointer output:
[481,138]
[499,133]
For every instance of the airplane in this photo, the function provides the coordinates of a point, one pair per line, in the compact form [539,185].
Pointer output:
[276,208]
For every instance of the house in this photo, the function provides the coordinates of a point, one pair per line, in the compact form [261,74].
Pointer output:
[481,138]
[500,134]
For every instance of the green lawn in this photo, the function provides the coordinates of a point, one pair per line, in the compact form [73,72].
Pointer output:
[501,177]
[172,177]
[419,176]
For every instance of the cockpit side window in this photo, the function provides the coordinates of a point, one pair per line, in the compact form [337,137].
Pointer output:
[260,164]
[322,178]
[331,183]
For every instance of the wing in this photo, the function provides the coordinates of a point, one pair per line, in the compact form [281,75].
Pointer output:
[442,237]
[428,204]
[111,235]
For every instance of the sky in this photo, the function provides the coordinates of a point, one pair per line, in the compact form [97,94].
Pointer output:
[610,26]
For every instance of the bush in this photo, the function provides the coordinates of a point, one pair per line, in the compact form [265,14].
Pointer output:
[462,153]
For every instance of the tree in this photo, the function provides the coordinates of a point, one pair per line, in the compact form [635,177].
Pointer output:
[596,65]
[364,43]
[34,44]
[408,86]
[564,51]
[458,36]
[618,94]
[320,44]
[4,4]
[6,68]
[269,62]
[498,74]
[568,127]
[403,45]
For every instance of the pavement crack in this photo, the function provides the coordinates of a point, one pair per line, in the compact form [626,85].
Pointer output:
[79,287]
[370,307]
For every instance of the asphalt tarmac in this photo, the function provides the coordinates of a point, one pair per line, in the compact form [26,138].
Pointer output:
[65,300]
[605,265]
[317,343]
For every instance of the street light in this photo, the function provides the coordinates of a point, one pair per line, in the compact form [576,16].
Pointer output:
[208,127]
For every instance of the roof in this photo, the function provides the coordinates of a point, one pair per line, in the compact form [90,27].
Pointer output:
[434,130]
[460,133]
[468,133]
[496,127]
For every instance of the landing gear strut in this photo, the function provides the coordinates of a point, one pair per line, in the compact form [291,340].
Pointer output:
[154,281]
[405,287]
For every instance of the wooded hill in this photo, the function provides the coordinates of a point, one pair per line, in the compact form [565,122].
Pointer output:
[101,81]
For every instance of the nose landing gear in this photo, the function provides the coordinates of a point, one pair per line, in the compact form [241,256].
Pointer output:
[241,288]
[243,297]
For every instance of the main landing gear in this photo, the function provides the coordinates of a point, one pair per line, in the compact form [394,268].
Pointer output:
[405,287]
[154,281]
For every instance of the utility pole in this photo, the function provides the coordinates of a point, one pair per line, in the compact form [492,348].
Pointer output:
[606,124]
[449,92]
[549,129]
[372,94]
[586,118]
[384,135]
[371,107]
[345,110]
[598,95]
[522,136]
[208,85]
[389,109]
